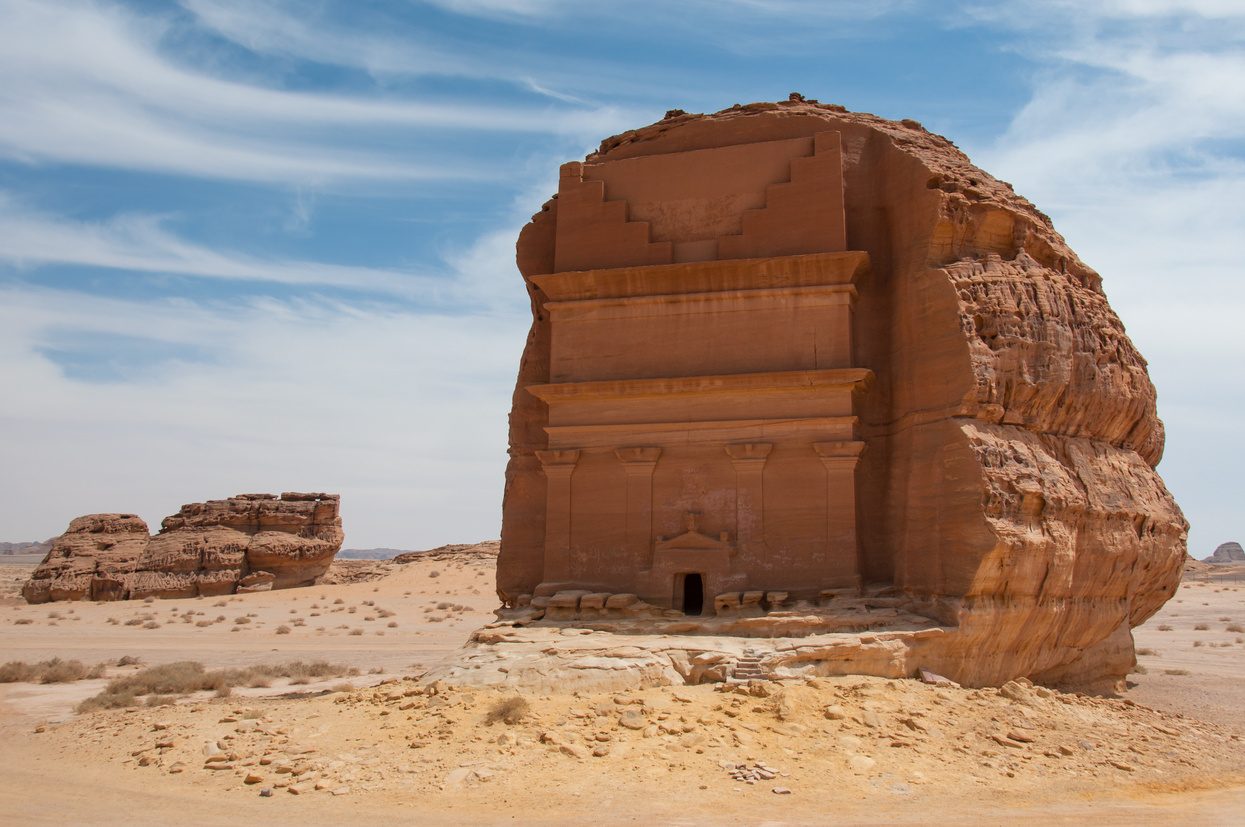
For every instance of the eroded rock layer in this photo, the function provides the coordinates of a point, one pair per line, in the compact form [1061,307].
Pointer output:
[996,427]
[251,542]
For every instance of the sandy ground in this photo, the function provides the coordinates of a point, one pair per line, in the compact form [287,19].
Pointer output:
[380,749]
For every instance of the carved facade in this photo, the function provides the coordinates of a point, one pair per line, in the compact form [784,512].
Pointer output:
[784,352]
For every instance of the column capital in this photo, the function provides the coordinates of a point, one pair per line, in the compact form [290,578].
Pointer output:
[558,463]
[840,454]
[749,454]
[638,459]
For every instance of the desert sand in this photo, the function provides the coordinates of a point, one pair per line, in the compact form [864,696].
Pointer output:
[378,747]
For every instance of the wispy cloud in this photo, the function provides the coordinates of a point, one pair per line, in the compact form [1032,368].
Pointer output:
[141,243]
[394,409]
[95,89]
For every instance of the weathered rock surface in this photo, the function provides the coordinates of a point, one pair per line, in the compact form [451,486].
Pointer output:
[1004,482]
[1227,553]
[251,542]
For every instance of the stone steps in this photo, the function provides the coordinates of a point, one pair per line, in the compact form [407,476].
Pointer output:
[747,668]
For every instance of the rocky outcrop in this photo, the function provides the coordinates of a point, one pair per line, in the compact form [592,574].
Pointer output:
[251,542]
[1006,484]
[1227,553]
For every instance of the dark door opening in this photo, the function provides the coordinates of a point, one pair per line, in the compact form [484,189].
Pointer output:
[693,594]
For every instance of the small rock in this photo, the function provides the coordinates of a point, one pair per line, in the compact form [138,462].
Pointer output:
[1020,735]
[176,768]
[266,792]
[835,712]
[253,778]
[782,790]
[574,750]
[632,719]
[159,725]
[861,764]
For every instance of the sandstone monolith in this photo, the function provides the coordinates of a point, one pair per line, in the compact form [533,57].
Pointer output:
[251,542]
[786,355]
[1230,552]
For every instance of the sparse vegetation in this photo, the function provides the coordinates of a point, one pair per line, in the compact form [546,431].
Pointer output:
[49,671]
[23,621]
[283,629]
[1148,652]
[1235,628]
[1165,628]
[1176,672]
[171,680]
[508,710]
[356,632]
[1201,627]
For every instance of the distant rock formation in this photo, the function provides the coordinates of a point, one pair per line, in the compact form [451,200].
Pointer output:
[251,542]
[1227,553]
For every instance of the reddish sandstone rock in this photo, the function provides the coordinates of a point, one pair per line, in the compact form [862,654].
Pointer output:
[1001,432]
[249,542]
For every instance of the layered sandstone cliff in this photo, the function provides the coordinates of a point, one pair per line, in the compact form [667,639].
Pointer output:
[1008,488]
[251,542]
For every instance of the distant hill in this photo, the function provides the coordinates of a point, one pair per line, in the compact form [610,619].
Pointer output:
[26,548]
[370,553]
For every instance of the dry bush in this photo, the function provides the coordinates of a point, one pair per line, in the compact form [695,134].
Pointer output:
[1165,628]
[1140,670]
[241,621]
[338,602]
[1201,627]
[508,710]
[283,629]
[435,618]
[369,602]
[1146,651]
[134,621]
[220,603]
[353,609]
[443,605]
[356,632]
[1198,643]
[1176,672]
[176,679]
[151,624]
[393,624]
[1235,628]
[434,573]
[23,621]
[129,660]
[203,623]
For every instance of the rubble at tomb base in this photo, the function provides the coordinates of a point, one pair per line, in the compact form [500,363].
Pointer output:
[787,352]
[251,542]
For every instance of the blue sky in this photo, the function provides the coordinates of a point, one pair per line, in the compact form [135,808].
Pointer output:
[258,245]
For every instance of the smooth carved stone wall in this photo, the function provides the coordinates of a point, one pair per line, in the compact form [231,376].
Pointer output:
[252,542]
[790,348]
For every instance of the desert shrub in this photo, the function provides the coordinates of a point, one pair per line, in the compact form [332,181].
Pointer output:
[160,700]
[443,605]
[1201,627]
[1235,628]
[23,621]
[134,621]
[369,602]
[151,624]
[393,624]
[16,671]
[54,615]
[128,660]
[283,629]
[434,573]
[384,613]
[353,609]
[1140,670]
[293,611]
[220,603]
[1148,652]
[343,687]
[338,602]
[356,632]
[149,600]
[203,623]
[1176,672]
[241,621]
[508,710]
[1165,628]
